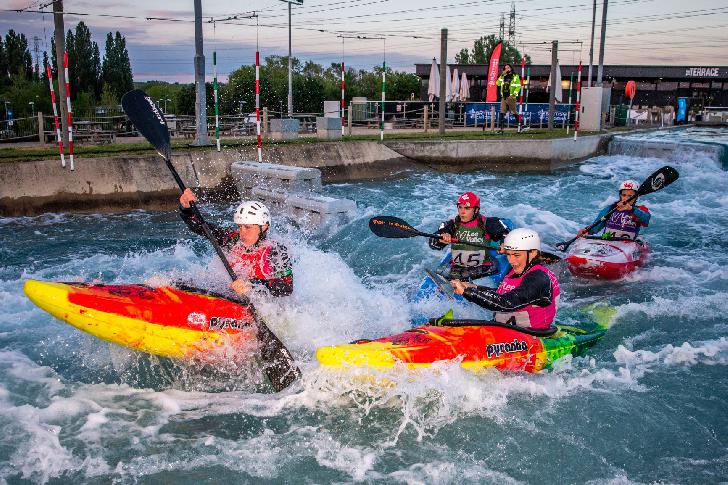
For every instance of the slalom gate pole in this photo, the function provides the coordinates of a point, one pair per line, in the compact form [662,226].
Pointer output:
[217,112]
[55,116]
[343,107]
[257,105]
[578,102]
[384,84]
[70,111]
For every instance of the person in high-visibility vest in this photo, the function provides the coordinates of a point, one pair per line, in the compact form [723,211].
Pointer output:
[510,85]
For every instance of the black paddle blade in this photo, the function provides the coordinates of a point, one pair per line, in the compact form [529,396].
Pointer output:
[148,119]
[658,180]
[279,366]
[391,227]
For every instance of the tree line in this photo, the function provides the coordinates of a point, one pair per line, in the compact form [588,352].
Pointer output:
[97,80]
[93,80]
[312,85]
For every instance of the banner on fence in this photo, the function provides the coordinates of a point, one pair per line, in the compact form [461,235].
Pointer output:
[533,113]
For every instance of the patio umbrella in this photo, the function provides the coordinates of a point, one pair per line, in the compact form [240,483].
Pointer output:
[448,85]
[559,90]
[433,89]
[464,88]
[455,85]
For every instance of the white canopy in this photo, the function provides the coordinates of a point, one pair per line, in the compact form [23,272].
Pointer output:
[433,89]
[559,91]
[455,85]
[464,88]
[448,85]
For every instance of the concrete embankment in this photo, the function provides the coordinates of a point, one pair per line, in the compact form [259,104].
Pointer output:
[142,181]
[512,155]
[134,181]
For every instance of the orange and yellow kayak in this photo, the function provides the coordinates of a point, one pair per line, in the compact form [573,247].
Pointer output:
[164,321]
[475,346]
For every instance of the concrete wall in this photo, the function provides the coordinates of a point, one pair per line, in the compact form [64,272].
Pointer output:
[127,182]
[506,155]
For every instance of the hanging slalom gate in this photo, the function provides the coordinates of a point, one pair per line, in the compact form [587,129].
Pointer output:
[217,110]
[70,111]
[55,116]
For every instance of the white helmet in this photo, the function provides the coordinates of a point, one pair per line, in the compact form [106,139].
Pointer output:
[522,240]
[252,212]
[629,185]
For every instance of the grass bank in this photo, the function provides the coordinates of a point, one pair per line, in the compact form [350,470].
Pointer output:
[22,154]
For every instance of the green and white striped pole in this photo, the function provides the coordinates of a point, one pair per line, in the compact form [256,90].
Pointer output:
[384,88]
[217,113]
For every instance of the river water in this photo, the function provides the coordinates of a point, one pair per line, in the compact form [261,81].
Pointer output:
[647,404]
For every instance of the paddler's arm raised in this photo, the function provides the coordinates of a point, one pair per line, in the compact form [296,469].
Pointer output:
[535,289]
[224,237]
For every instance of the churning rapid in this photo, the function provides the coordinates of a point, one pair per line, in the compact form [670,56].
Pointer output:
[647,403]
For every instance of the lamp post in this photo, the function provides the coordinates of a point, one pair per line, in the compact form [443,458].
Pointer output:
[165,99]
[32,108]
[290,58]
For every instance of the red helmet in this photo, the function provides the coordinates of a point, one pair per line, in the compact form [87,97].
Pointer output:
[469,199]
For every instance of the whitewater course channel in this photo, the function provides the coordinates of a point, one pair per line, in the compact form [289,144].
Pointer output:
[647,404]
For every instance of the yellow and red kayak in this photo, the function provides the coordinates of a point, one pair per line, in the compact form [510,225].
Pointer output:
[476,346]
[164,321]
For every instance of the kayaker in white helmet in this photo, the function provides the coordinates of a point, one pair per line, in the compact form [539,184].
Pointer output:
[626,220]
[470,226]
[257,260]
[528,295]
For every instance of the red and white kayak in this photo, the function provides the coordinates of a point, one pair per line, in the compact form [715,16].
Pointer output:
[605,259]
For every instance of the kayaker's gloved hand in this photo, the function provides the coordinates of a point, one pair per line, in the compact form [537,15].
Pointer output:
[459,286]
[187,197]
[240,286]
[445,239]
[582,233]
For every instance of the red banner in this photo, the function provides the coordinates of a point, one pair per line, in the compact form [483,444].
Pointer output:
[492,90]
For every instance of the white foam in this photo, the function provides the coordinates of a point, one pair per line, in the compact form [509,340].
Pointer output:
[713,352]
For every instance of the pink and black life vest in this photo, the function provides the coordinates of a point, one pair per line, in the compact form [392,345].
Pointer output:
[532,316]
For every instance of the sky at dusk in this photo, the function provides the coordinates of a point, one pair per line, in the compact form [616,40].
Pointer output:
[161,40]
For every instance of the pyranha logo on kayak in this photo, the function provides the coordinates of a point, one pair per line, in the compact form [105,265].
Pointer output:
[220,323]
[494,350]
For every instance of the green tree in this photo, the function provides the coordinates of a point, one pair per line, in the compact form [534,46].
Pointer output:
[17,57]
[116,67]
[483,48]
[84,62]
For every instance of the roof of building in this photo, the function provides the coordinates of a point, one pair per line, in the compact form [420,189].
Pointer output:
[673,73]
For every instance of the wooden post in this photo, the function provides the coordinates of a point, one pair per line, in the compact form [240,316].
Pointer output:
[492,118]
[41,128]
[265,121]
[425,119]
[444,71]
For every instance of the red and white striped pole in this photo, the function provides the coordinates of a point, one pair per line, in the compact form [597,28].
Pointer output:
[520,97]
[68,104]
[55,116]
[342,99]
[257,104]
[578,102]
